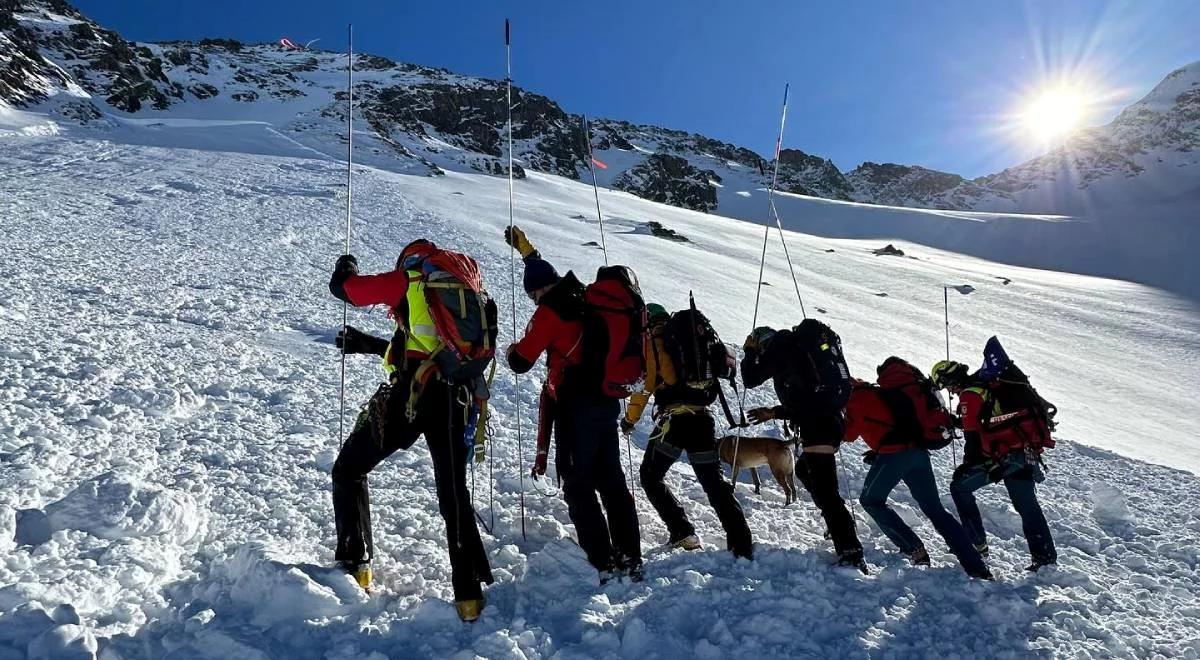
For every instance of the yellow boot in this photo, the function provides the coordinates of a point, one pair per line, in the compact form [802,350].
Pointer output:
[360,571]
[469,610]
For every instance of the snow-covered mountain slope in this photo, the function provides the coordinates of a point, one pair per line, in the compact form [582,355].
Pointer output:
[428,120]
[168,420]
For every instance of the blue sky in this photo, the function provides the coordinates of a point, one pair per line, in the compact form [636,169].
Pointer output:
[934,83]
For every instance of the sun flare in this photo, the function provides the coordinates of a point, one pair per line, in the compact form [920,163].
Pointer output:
[1051,114]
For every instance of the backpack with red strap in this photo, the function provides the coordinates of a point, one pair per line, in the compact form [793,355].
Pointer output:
[614,332]
[463,313]
[913,395]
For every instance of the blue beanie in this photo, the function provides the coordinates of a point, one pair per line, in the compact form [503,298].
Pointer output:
[538,273]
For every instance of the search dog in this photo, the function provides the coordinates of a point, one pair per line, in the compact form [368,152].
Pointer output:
[755,451]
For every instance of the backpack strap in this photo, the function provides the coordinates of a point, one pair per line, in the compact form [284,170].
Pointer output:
[725,406]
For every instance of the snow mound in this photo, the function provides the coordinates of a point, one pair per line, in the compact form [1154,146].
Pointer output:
[115,506]
[268,590]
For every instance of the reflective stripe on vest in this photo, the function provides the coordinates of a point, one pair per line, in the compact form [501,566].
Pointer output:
[421,340]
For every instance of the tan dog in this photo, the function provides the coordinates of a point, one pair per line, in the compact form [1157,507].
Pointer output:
[755,451]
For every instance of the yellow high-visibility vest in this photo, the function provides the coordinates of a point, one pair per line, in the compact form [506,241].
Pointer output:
[422,337]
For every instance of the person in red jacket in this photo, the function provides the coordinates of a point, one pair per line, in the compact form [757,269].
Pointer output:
[438,413]
[587,452]
[994,453]
[886,417]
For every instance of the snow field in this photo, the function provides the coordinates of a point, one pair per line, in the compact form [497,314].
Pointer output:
[168,390]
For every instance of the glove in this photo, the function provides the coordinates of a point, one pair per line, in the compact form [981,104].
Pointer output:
[760,415]
[869,456]
[516,238]
[751,343]
[758,339]
[346,265]
[539,464]
[352,340]
[627,427]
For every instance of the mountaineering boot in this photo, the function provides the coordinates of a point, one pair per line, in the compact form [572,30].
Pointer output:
[469,610]
[853,558]
[360,571]
[635,571]
[746,553]
[689,542]
[982,549]
[1038,563]
[984,574]
[609,575]
[919,557]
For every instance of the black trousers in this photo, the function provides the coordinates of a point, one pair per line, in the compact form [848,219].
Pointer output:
[588,458]
[694,433]
[440,418]
[818,473]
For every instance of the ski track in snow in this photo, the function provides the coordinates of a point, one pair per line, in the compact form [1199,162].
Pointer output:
[168,390]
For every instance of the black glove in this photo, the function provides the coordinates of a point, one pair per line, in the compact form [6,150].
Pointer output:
[869,456]
[345,267]
[627,426]
[352,340]
[346,264]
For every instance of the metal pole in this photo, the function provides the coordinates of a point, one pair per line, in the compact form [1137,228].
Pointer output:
[950,398]
[587,135]
[946,308]
[349,195]
[771,202]
[512,266]
[762,263]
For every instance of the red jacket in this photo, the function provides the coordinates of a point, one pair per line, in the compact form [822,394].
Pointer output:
[382,289]
[560,340]
[554,330]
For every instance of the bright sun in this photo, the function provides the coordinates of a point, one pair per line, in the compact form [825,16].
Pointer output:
[1053,113]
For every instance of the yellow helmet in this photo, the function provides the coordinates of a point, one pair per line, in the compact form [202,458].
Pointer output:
[948,373]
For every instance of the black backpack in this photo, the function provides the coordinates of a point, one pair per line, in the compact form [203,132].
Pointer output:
[699,356]
[820,373]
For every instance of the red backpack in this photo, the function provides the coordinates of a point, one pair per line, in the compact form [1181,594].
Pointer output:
[463,312]
[869,416]
[919,399]
[614,332]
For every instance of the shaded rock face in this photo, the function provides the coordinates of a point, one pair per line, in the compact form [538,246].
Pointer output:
[129,77]
[545,137]
[906,185]
[805,174]
[671,180]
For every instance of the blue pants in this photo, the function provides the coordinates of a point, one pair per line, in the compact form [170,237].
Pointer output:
[1022,492]
[912,467]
